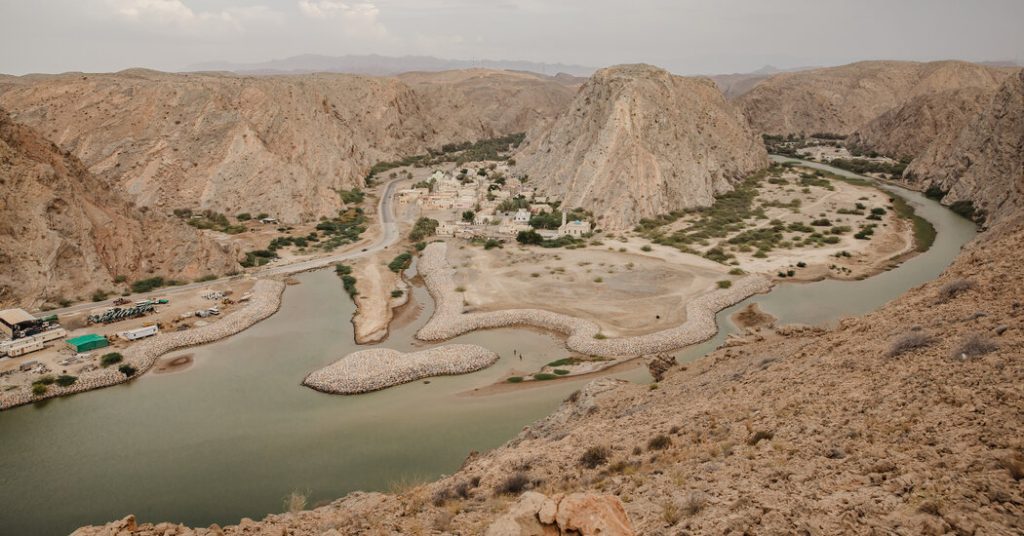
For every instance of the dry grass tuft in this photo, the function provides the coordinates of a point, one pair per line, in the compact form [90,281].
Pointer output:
[910,342]
[594,457]
[295,502]
[659,442]
[974,346]
[953,289]
[514,484]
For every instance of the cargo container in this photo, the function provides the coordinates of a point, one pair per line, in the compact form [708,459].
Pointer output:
[25,347]
[141,333]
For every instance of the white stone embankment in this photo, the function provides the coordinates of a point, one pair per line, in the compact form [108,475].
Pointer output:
[450,321]
[380,368]
[265,301]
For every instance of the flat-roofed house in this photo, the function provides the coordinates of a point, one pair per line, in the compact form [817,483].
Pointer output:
[13,321]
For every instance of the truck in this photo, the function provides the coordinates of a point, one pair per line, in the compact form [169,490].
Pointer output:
[140,333]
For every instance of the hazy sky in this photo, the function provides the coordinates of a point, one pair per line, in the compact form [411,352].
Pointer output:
[684,36]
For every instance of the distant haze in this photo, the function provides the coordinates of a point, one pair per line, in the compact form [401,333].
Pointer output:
[684,36]
[377,65]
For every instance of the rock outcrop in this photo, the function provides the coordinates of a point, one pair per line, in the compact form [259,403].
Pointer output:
[276,144]
[64,233]
[983,162]
[843,99]
[638,141]
[582,514]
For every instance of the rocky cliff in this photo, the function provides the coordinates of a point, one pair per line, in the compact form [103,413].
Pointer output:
[843,99]
[637,142]
[983,162]
[64,233]
[276,144]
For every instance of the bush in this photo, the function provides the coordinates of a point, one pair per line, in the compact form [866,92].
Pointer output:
[354,196]
[529,238]
[491,243]
[38,389]
[724,283]
[974,346]
[515,379]
[953,289]
[423,228]
[659,442]
[594,457]
[910,342]
[646,247]
[146,285]
[401,262]
[111,359]
[245,216]
[560,372]
[513,485]
[66,381]
[563,362]
[397,293]
[759,436]
[543,376]
[127,370]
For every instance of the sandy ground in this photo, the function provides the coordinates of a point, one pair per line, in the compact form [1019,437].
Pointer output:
[375,305]
[58,358]
[626,293]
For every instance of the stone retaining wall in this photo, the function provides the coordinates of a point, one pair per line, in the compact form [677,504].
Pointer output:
[380,368]
[265,301]
[449,321]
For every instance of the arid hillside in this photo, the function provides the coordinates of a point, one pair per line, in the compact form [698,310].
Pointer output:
[276,144]
[982,162]
[637,142]
[65,234]
[843,99]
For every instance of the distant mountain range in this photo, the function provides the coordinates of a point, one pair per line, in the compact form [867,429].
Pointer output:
[377,65]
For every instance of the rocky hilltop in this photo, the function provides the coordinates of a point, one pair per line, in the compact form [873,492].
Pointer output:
[276,144]
[982,162]
[64,233]
[843,99]
[637,142]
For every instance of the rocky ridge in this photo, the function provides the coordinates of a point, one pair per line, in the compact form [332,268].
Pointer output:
[638,142]
[65,234]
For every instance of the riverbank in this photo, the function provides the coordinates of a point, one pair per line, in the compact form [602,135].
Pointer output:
[376,299]
[265,301]
[380,368]
[583,336]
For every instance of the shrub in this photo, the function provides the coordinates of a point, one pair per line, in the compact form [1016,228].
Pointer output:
[354,196]
[646,247]
[514,484]
[295,502]
[127,370]
[543,376]
[910,342]
[111,359]
[491,243]
[953,289]
[38,389]
[146,285]
[563,362]
[594,457]
[423,228]
[397,293]
[205,278]
[401,262]
[515,379]
[659,442]
[974,346]
[245,216]
[66,381]
[529,238]
[736,271]
[759,436]
[560,372]
[670,512]
[823,222]
[724,283]
[600,336]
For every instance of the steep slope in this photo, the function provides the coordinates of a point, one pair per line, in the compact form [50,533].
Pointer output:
[907,130]
[278,144]
[487,103]
[64,234]
[843,99]
[637,142]
[984,161]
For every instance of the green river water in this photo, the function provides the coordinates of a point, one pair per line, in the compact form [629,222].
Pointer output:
[233,434]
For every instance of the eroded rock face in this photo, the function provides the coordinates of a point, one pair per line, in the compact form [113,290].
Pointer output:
[584,514]
[64,233]
[638,141]
[843,99]
[984,161]
[275,144]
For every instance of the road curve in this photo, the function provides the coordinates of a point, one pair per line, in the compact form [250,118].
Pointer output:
[389,235]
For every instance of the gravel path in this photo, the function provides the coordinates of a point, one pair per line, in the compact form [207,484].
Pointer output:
[265,301]
[449,321]
[380,368]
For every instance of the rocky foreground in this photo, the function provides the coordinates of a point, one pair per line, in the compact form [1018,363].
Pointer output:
[380,368]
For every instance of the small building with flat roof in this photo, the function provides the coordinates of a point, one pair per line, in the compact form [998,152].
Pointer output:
[85,343]
[13,321]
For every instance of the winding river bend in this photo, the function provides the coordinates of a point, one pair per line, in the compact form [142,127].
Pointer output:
[232,435]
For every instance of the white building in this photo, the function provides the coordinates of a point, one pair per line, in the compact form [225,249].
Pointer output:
[575,228]
[522,216]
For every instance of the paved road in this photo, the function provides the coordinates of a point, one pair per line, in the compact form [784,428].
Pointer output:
[389,235]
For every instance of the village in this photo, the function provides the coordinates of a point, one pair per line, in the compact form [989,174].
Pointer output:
[487,201]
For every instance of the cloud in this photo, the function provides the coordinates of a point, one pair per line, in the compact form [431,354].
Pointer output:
[360,18]
[177,14]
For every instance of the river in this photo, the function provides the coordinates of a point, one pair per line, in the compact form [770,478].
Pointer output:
[235,433]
